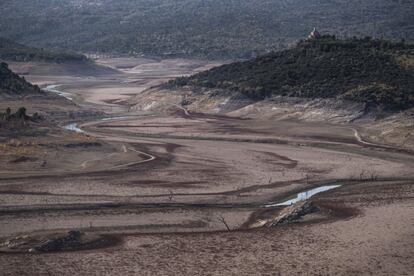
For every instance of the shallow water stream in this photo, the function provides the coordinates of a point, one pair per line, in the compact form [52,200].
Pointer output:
[304,195]
[53,88]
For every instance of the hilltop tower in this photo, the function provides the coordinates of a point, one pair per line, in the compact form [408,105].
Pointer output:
[314,34]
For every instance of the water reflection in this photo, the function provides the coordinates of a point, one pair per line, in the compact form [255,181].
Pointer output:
[305,195]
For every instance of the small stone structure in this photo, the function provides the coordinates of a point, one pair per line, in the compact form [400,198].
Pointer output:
[314,35]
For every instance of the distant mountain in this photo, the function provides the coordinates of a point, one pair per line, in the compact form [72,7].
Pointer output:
[197,28]
[12,51]
[13,84]
[376,72]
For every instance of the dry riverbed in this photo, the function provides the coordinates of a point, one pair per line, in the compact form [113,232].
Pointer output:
[165,186]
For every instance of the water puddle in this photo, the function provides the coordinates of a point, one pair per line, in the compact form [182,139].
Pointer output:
[304,195]
[73,127]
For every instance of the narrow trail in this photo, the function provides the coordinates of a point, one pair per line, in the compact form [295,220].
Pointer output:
[362,141]
[148,157]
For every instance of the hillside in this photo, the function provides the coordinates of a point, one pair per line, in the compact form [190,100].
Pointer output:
[376,72]
[196,28]
[13,84]
[12,51]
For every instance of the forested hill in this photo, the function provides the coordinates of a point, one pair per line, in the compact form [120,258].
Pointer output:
[376,72]
[197,28]
[13,84]
[12,51]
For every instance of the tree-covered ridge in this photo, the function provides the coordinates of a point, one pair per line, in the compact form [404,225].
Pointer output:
[376,72]
[12,51]
[11,83]
[197,28]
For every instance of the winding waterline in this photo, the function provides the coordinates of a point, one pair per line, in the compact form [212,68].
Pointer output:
[74,126]
[304,195]
[299,197]
[53,88]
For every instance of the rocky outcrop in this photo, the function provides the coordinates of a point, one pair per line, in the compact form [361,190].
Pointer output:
[293,213]
[50,242]
[58,242]
[72,239]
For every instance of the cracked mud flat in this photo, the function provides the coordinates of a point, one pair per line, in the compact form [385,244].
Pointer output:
[166,211]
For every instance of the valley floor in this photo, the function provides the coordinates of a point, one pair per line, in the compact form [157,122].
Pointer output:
[165,182]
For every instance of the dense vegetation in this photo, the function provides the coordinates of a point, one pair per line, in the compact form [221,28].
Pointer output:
[374,71]
[198,28]
[12,51]
[13,84]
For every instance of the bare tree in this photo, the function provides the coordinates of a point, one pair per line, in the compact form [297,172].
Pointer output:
[374,176]
[407,138]
[223,220]
[368,176]
[171,195]
[361,175]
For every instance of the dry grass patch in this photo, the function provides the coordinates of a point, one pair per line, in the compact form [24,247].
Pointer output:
[16,147]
